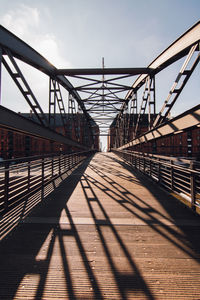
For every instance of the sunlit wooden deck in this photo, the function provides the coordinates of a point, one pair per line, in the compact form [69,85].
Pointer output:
[105,233]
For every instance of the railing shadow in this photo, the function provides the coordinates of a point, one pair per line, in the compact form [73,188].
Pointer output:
[28,250]
[126,281]
[51,252]
[179,215]
[31,193]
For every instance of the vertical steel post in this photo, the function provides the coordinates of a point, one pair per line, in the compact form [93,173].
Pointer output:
[172,175]
[59,163]
[29,176]
[151,100]
[6,183]
[52,103]
[150,166]
[192,186]
[52,166]
[144,163]
[159,170]
[0,71]
[42,179]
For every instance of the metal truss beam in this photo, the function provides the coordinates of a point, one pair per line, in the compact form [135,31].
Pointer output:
[174,52]
[182,122]
[25,53]
[56,95]
[14,121]
[175,91]
[25,89]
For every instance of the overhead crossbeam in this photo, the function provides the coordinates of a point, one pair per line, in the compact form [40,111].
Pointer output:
[104,71]
[105,93]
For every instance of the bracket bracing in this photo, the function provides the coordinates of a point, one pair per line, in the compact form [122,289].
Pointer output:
[175,91]
[25,89]
[55,95]
[148,100]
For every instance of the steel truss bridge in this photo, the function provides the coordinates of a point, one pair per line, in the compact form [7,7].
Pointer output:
[102,95]
[106,97]
[103,196]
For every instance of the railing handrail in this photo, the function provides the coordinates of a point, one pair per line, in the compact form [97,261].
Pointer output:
[36,157]
[166,171]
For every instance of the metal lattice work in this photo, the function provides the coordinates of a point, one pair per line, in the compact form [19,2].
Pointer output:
[24,87]
[55,95]
[104,98]
[103,91]
[175,91]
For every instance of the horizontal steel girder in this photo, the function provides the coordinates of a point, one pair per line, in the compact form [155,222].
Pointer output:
[14,121]
[104,71]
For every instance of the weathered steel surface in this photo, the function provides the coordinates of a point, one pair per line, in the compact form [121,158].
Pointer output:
[105,233]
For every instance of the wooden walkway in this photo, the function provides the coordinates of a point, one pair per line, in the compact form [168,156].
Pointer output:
[105,233]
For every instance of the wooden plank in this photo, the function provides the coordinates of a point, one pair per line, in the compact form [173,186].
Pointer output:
[105,233]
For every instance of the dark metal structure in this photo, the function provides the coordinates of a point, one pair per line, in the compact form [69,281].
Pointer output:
[13,49]
[103,94]
[106,97]
[180,176]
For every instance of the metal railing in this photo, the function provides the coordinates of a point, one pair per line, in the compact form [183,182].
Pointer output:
[179,175]
[23,177]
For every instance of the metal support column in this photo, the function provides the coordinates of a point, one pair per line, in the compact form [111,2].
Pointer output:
[0,71]
[52,104]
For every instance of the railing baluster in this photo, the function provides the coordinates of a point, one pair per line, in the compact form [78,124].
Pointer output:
[29,176]
[6,190]
[172,175]
[42,179]
[192,186]
[168,171]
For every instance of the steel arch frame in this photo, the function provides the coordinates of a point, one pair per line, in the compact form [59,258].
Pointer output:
[186,44]
[13,47]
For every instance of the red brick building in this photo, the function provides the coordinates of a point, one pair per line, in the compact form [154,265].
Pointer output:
[183,144]
[14,144]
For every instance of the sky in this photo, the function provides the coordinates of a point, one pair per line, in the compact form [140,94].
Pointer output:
[78,33]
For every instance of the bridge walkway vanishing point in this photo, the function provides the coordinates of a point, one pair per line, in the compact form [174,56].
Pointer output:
[107,232]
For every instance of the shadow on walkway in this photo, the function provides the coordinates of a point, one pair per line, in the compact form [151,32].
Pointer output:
[53,255]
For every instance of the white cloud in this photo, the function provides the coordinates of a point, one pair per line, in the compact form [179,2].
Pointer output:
[21,20]
[25,22]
